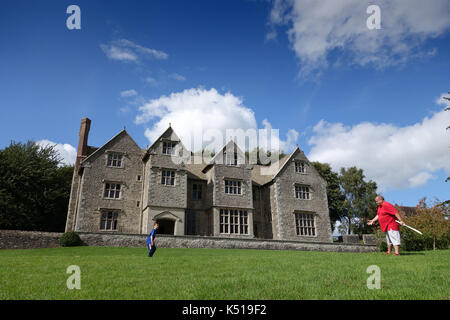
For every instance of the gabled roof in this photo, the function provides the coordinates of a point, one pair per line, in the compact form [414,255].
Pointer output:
[231,145]
[97,150]
[168,130]
[195,171]
[263,174]
[285,160]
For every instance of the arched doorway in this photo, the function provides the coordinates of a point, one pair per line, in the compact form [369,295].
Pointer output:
[166,226]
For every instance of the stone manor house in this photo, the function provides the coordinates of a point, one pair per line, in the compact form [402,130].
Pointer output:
[121,188]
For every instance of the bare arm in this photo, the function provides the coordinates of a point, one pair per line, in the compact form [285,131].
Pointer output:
[399,218]
[371,222]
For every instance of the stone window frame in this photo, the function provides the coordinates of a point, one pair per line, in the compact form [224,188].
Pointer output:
[235,160]
[174,177]
[303,166]
[110,182]
[109,153]
[114,221]
[173,145]
[231,220]
[239,187]
[305,222]
[310,191]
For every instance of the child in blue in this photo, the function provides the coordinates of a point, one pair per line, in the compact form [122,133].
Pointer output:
[151,240]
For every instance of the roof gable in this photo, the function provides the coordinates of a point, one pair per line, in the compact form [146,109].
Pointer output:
[118,136]
[169,135]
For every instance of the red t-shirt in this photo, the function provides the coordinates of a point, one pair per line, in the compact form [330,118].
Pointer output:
[386,217]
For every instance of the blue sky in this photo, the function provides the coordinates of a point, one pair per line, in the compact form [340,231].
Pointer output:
[345,94]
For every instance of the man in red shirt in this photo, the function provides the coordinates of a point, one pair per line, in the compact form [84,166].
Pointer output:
[386,214]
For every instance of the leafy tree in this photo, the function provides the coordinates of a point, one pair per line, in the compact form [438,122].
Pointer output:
[359,204]
[431,220]
[34,188]
[334,193]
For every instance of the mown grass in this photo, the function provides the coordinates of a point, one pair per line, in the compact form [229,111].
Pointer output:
[217,274]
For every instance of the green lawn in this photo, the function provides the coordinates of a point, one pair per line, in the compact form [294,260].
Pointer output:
[127,273]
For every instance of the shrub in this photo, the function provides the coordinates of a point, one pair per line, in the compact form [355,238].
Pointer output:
[432,221]
[70,239]
[380,237]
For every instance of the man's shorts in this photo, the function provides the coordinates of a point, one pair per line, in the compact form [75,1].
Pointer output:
[393,237]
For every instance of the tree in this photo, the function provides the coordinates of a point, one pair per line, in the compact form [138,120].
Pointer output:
[431,220]
[334,193]
[359,204]
[34,188]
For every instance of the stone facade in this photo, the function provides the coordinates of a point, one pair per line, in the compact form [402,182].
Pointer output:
[120,188]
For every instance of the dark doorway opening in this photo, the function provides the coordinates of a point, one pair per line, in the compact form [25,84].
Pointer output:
[166,226]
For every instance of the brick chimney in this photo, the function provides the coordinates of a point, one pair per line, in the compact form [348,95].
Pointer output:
[82,142]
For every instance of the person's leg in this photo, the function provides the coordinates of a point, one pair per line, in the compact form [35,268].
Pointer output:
[152,251]
[149,249]
[389,243]
[394,235]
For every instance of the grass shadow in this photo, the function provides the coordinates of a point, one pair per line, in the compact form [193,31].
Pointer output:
[412,253]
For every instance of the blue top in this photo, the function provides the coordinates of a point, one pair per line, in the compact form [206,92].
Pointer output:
[152,233]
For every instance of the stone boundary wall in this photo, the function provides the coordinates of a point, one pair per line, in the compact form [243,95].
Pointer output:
[30,239]
[166,241]
[14,239]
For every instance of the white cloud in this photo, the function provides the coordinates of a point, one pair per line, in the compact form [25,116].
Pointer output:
[394,157]
[198,111]
[315,28]
[117,53]
[285,145]
[128,93]
[177,76]
[67,152]
[128,51]
[151,81]
[142,50]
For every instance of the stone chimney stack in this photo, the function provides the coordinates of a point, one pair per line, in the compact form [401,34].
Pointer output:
[82,142]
